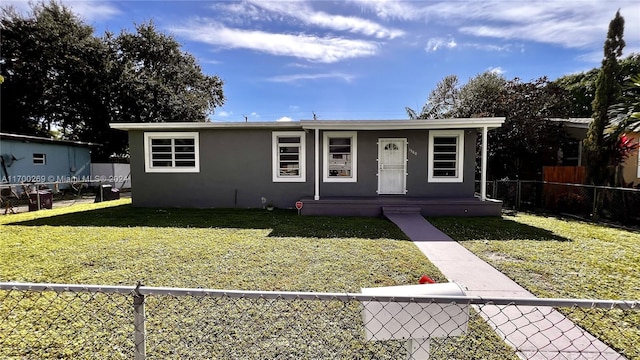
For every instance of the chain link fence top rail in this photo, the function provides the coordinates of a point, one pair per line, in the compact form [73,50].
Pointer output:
[123,322]
[616,204]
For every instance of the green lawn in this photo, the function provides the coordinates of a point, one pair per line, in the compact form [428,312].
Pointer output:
[112,243]
[563,258]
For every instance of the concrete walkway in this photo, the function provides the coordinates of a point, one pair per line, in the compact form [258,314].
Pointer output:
[534,332]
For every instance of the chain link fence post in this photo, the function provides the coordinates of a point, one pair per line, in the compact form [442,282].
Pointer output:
[495,189]
[139,330]
[518,194]
[594,214]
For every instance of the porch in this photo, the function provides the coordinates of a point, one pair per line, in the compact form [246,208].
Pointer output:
[373,206]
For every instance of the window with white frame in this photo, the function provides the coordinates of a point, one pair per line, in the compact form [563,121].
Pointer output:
[289,156]
[340,154]
[446,150]
[39,159]
[172,152]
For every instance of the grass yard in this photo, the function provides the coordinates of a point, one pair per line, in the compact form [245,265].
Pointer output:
[112,243]
[561,258]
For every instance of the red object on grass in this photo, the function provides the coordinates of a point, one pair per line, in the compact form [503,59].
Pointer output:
[424,279]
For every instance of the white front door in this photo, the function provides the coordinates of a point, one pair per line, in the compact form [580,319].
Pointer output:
[392,166]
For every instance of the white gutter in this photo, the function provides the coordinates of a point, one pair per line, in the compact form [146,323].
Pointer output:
[316,194]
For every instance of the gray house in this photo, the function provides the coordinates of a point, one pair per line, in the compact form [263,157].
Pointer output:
[32,159]
[333,167]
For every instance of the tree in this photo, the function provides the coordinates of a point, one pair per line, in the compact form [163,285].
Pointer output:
[158,81]
[527,140]
[480,96]
[582,86]
[625,116]
[46,68]
[60,76]
[148,78]
[599,150]
[441,102]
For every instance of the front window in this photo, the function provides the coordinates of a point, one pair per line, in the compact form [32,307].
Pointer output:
[340,154]
[39,159]
[288,156]
[446,156]
[171,152]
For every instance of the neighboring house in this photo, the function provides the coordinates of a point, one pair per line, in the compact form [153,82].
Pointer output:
[32,159]
[334,167]
[631,171]
[572,154]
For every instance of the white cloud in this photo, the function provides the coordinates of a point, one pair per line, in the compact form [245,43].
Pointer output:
[392,9]
[435,44]
[213,62]
[304,13]
[223,113]
[311,48]
[255,115]
[496,70]
[494,47]
[570,24]
[284,118]
[301,77]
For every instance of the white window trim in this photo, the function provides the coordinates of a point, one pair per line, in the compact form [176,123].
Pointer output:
[459,160]
[275,156]
[354,155]
[148,136]
[43,159]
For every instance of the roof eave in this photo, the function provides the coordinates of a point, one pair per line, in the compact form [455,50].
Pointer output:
[463,123]
[436,124]
[206,125]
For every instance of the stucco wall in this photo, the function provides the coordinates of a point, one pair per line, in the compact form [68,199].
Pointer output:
[236,171]
[417,167]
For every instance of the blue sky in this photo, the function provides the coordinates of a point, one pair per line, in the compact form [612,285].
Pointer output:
[361,59]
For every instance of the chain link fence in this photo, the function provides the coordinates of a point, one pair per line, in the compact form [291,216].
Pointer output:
[122,322]
[621,205]
[33,196]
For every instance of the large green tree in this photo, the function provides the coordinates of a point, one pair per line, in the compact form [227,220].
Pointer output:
[49,61]
[158,81]
[582,86]
[481,96]
[442,101]
[528,139]
[599,150]
[60,76]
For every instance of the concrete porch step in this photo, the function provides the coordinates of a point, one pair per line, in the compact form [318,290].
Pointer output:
[400,210]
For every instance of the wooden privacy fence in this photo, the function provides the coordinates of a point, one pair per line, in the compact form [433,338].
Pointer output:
[556,197]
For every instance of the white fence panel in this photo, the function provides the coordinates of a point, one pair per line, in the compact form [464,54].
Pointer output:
[116,174]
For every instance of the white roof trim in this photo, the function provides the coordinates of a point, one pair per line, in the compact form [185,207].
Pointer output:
[464,123]
[577,123]
[206,125]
